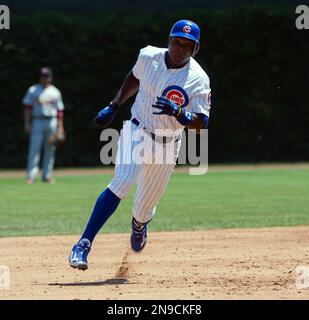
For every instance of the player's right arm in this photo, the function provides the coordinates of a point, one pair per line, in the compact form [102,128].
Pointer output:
[27,103]
[128,89]
[27,120]
[131,84]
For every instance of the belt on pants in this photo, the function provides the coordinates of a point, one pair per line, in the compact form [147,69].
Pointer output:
[161,139]
[42,118]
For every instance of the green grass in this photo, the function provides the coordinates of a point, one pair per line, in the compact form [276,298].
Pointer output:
[229,199]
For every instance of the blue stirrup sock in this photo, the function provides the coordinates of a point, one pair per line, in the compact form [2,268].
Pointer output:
[105,206]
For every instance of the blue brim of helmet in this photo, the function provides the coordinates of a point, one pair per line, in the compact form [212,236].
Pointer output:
[184,35]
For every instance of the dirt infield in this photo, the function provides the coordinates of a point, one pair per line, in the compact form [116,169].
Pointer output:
[211,264]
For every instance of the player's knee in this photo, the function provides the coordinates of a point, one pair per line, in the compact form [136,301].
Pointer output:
[120,187]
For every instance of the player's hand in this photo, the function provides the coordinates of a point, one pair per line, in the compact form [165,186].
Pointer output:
[166,106]
[58,138]
[60,131]
[105,116]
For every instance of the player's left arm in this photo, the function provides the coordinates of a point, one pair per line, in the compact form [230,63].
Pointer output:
[60,109]
[199,121]
[196,114]
[189,119]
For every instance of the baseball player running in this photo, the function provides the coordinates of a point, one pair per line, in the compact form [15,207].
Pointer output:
[43,118]
[173,92]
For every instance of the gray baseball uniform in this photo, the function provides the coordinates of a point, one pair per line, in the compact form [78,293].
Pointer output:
[45,103]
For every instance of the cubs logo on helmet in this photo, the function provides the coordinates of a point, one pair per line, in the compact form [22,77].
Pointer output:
[186,29]
[177,94]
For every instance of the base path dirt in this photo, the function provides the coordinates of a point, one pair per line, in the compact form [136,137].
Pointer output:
[210,264]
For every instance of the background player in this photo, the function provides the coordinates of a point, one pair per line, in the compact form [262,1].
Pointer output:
[173,93]
[43,117]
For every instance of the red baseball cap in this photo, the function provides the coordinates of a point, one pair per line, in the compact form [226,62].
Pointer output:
[45,72]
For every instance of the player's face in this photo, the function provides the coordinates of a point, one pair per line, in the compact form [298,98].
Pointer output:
[45,81]
[180,50]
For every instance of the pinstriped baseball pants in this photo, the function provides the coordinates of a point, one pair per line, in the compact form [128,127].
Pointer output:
[151,177]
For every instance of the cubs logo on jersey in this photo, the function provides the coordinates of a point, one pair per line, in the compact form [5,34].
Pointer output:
[177,94]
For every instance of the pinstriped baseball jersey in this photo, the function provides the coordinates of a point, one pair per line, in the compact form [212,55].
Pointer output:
[187,86]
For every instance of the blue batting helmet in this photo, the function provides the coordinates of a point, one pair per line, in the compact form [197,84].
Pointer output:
[187,29]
